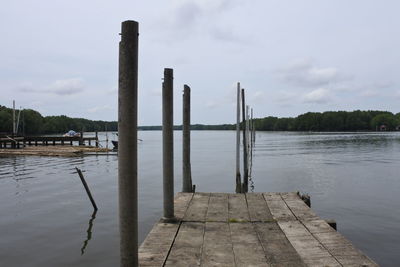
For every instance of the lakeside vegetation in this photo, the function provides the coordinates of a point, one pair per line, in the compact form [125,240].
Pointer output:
[32,122]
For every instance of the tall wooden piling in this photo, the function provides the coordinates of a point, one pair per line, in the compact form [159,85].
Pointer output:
[245,167]
[186,165]
[168,144]
[13,119]
[127,153]
[238,178]
[97,139]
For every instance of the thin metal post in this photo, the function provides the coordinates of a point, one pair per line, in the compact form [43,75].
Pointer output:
[168,144]
[238,178]
[245,167]
[186,165]
[127,153]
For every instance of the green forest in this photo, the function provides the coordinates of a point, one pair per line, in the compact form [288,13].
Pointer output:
[32,122]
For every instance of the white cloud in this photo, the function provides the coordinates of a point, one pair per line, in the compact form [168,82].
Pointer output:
[211,104]
[303,73]
[99,108]
[318,96]
[59,87]
[66,87]
[286,96]
[369,93]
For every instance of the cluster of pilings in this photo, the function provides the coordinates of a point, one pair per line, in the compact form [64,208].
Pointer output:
[248,141]
[127,154]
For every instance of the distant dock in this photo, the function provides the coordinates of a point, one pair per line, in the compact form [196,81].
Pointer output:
[50,145]
[20,141]
[252,229]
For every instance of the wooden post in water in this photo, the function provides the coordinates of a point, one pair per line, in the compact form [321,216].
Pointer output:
[97,139]
[168,144]
[247,130]
[245,167]
[251,130]
[127,152]
[81,138]
[186,165]
[86,188]
[238,178]
[13,118]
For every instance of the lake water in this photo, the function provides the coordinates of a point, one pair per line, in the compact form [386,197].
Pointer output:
[46,218]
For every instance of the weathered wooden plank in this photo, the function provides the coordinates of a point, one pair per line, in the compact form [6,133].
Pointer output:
[218,208]
[277,248]
[246,245]
[181,203]
[278,207]
[290,196]
[258,209]
[238,230]
[217,248]
[271,196]
[198,206]
[318,226]
[186,250]
[155,248]
[343,250]
[238,211]
[301,210]
[310,249]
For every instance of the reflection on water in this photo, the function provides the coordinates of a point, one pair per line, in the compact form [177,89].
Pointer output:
[351,177]
[89,232]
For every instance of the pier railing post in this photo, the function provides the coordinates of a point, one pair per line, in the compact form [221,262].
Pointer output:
[186,166]
[245,167]
[127,152]
[238,178]
[168,144]
[97,139]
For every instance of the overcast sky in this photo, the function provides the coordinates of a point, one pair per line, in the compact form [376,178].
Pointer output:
[61,57]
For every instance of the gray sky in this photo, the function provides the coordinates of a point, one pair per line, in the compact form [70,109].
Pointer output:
[61,57]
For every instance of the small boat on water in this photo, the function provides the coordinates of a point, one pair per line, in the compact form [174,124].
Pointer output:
[71,133]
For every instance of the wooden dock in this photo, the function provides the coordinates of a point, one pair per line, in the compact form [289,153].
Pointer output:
[53,151]
[254,229]
[20,141]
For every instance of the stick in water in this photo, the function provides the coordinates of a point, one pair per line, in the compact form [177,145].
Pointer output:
[86,187]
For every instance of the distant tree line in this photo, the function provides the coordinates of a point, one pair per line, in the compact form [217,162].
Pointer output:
[332,121]
[32,122]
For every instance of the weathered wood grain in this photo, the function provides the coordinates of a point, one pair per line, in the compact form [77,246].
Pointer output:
[258,209]
[246,245]
[300,209]
[187,247]
[307,246]
[181,203]
[255,229]
[238,211]
[278,207]
[218,208]
[198,206]
[155,248]
[217,248]
[277,248]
